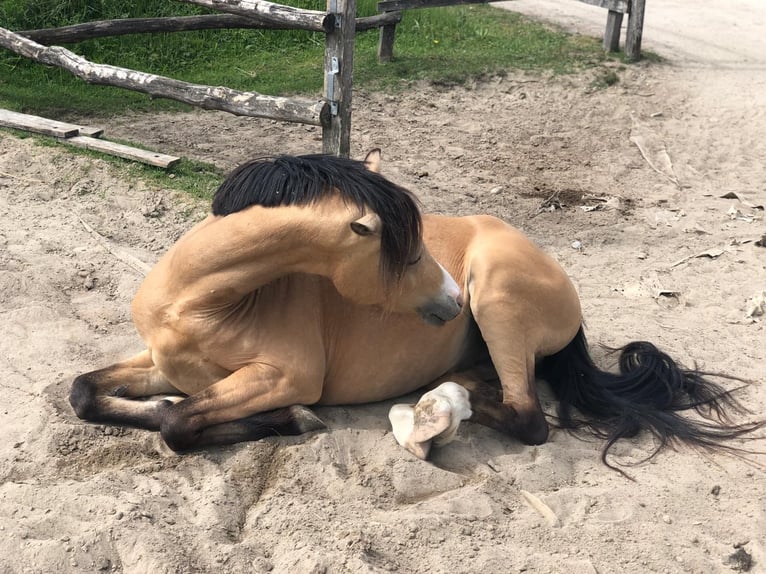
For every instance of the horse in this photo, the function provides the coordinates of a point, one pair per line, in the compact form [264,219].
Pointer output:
[315,280]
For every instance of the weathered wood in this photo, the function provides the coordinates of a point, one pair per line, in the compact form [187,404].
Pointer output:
[90,132]
[394,5]
[126,26]
[622,6]
[106,28]
[635,30]
[268,11]
[387,33]
[45,126]
[339,55]
[378,21]
[386,39]
[124,151]
[208,97]
[612,32]
[37,124]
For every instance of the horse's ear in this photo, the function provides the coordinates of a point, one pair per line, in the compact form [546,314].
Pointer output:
[369,224]
[372,161]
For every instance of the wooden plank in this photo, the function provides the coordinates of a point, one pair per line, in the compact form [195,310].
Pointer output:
[45,126]
[37,124]
[622,6]
[612,32]
[635,30]
[90,132]
[395,5]
[124,151]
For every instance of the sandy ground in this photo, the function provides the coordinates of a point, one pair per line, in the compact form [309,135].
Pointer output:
[85,498]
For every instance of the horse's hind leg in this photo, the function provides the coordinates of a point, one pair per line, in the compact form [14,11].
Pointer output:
[485,399]
[105,396]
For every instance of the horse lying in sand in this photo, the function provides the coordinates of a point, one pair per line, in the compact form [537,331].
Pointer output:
[315,280]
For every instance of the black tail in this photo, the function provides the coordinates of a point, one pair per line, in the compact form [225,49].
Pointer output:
[648,394]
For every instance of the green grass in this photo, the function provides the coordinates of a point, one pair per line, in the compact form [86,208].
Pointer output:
[199,179]
[441,45]
[445,45]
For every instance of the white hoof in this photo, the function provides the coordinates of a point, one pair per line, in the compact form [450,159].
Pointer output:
[402,419]
[435,418]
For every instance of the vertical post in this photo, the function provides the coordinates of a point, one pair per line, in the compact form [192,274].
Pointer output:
[386,43]
[612,33]
[338,78]
[635,29]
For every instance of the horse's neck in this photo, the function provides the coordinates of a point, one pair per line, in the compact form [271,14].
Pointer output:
[236,254]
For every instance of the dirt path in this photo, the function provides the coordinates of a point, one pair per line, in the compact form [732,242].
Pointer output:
[83,498]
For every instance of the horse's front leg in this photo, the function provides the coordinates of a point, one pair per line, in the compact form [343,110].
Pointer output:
[107,395]
[251,403]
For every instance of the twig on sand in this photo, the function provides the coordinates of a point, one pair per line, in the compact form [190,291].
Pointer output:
[128,259]
[543,509]
[21,178]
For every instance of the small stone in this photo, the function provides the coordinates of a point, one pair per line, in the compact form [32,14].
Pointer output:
[666,519]
[741,560]
[577,245]
[716,490]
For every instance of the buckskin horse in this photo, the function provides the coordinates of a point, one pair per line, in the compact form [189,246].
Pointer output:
[316,281]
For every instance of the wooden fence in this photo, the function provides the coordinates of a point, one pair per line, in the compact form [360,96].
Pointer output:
[616,10]
[332,112]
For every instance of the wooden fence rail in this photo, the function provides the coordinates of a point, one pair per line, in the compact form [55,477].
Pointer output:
[207,97]
[339,23]
[106,28]
[332,112]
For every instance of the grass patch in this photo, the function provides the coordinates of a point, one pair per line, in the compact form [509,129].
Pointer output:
[445,45]
[197,178]
[442,45]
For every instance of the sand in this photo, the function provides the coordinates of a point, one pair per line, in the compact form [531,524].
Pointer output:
[659,255]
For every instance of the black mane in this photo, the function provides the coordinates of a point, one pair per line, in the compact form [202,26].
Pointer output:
[303,180]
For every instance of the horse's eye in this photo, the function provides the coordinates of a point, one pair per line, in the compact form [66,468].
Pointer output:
[416,260]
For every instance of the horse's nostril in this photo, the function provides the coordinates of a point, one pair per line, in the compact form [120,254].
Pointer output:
[460,300]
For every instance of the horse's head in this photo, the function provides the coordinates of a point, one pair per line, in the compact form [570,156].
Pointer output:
[363,231]
[391,244]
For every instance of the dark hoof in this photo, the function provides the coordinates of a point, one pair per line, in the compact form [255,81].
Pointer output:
[305,420]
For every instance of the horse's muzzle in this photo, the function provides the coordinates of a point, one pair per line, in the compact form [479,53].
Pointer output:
[447,305]
[438,312]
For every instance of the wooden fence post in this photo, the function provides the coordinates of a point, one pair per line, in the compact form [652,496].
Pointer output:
[612,32]
[635,29]
[338,77]
[386,43]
